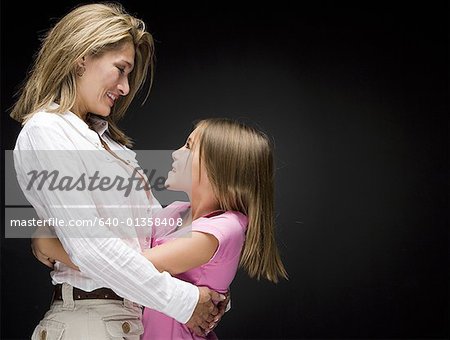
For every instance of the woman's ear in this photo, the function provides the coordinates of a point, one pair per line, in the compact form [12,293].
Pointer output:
[81,67]
[81,62]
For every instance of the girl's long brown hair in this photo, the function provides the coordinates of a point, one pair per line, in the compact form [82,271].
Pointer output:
[239,162]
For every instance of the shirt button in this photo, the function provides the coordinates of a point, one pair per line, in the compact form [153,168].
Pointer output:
[126,327]
[43,334]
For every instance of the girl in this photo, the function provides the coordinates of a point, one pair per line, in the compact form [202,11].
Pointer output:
[226,169]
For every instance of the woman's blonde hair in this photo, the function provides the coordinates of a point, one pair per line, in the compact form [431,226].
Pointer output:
[239,162]
[87,29]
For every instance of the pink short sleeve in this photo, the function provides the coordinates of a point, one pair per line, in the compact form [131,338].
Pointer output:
[228,228]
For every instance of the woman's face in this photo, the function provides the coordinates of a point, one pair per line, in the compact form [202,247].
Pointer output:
[185,166]
[104,80]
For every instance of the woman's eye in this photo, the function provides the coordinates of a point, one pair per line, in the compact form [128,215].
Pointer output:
[121,70]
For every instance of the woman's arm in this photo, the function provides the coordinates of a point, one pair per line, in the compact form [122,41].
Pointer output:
[183,253]
[175,257]
[44,149]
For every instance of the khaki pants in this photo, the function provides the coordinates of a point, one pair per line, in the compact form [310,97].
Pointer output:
[90,319]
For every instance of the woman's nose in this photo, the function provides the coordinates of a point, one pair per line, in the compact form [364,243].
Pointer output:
[124,87]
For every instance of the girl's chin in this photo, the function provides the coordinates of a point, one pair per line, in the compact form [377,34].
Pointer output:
[171,186]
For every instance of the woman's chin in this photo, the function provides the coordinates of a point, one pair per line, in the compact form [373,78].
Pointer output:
[103,111]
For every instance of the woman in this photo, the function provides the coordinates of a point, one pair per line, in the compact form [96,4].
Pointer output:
[90,67]
[226,168]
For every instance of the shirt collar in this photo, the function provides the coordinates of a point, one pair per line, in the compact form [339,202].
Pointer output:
[96,123]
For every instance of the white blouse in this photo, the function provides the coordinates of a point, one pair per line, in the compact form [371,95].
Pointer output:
[107,256]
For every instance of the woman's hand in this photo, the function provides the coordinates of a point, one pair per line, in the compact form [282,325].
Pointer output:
[206,311]
[222,307]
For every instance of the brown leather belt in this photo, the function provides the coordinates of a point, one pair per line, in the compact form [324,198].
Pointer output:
[79,294]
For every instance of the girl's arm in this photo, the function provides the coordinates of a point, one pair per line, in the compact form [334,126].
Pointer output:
[183,253]
[47,250]
[174,257]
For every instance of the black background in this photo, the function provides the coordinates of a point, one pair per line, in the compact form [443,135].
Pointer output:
[355,96]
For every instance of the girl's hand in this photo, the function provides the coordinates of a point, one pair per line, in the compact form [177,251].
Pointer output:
[49,262]
[48,250]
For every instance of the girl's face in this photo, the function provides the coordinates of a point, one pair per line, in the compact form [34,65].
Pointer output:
[104,80]
[185,166]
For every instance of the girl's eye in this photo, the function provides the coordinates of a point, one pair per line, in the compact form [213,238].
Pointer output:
[121,69]
[188,146]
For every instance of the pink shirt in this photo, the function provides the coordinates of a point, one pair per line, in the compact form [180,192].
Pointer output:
[229,229]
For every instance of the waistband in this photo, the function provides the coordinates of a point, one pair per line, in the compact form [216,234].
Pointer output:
[79,294]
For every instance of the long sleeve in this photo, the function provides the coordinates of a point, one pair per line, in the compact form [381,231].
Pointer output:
[98,251]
